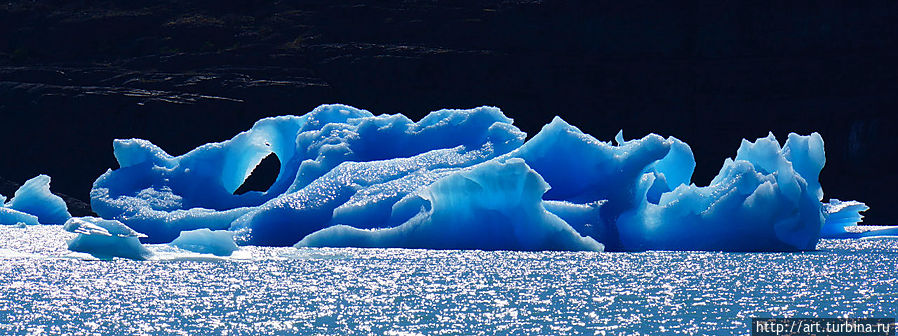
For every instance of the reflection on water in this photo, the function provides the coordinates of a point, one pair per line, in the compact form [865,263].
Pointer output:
[46,289]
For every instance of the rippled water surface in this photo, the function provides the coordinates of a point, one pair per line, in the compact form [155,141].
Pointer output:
[44,289]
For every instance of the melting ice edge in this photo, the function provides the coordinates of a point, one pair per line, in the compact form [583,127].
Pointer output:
[456,179]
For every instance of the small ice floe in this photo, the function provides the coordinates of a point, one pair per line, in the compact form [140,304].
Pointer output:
[105,239]
[219,242]
[33,204]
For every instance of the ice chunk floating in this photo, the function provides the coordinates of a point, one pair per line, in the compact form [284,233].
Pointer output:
[34,204]
[840,216]
[495,205]
[220,243]
[466,179]
[105,239]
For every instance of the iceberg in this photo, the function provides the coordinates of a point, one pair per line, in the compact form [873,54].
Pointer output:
[467,179]
[840,215]
[494,206]
[105,239]
[327,156]
[599,177]
[760,201]
[12,217]
[220,243]
[33,204]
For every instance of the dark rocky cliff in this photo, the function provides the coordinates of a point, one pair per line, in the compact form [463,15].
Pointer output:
[76,74]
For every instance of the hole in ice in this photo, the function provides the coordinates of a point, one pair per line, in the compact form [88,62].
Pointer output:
[262,177]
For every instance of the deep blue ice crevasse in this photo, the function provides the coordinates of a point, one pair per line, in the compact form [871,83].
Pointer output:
[496,205]
[33,203]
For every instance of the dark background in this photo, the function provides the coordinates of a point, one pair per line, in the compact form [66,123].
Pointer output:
[76,74]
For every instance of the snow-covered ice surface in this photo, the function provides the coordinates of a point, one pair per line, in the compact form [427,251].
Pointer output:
[46,289]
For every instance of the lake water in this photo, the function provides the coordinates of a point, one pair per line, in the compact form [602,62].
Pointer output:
[45,289]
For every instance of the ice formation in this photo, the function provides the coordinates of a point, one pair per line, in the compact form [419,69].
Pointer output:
[220,243]
[466,179]
[105,239]
[839,216]
[12,217]
[494,206]
[34,204]
[328,158]
[767,198]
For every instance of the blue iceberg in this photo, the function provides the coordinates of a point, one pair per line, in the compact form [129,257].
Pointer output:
[767,198]
[494,206]
[33,204]
[839,215]
[327,157]
[467,179]
[220,243]
[105,239]
[842,215]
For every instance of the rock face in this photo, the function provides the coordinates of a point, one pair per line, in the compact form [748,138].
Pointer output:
[88,72]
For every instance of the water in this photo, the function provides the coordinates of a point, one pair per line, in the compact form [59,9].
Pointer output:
[44,289]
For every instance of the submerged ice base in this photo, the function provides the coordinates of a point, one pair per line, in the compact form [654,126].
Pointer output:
[466,179]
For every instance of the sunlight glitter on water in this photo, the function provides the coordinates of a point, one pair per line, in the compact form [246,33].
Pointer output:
[45,289]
